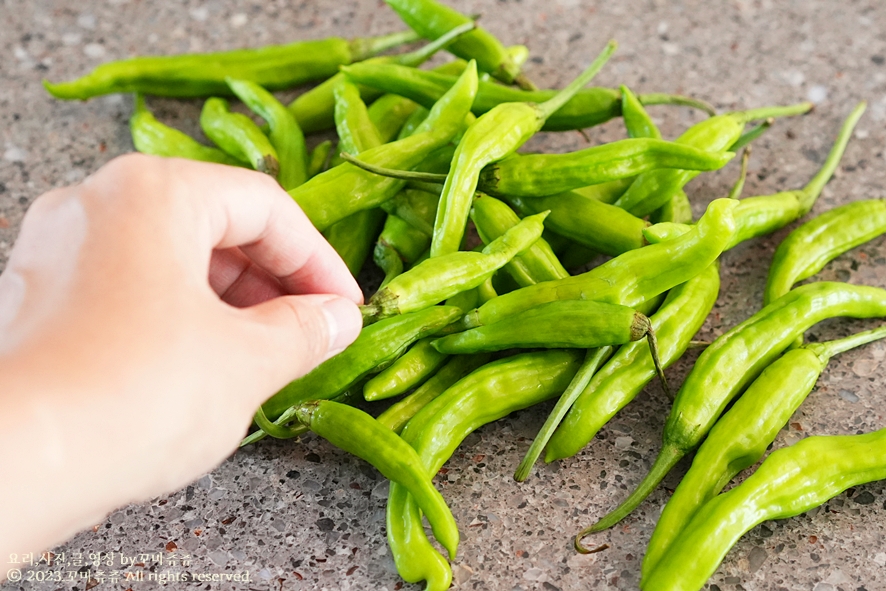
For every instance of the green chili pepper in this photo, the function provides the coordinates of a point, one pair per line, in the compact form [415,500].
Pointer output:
[589,107]
[415,206]
[346,189]
[407,372]
[436,279]
[653,189]
[791,481]
[810,247]
[732,361]
[273,67]
[558,324]
[457,367]
[756,216]
[399,243]
[631,368]
[741,436]
[537,263]
[149,136]
[637,121]
[532,175]
[319,158]
[677,210]
[389,112]
[412,122]
[488,394]
[238,135]
[601,227]
[286,426]
[639,124]
[431,19]
[353,237]
[314,109]
[491,137]
[285,135]
[359,434]
[628,279]
[377,345]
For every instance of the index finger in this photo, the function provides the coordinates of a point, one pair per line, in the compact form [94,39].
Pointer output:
[239,207]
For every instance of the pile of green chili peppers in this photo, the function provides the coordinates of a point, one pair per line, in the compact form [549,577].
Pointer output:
[487,304]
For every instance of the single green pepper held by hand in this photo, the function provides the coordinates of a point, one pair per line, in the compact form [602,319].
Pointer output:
[358,433]
[203,74]
[239,136]
[346,189]
[487,394]
[742,435]
[377,346]
[491,137]
[813,245]
[589,106]
[731,362]
[790,481]
[628,279]
[434,280]
[149,136]
[631,368]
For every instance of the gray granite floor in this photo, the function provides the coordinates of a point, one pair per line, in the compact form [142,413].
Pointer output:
[305,516]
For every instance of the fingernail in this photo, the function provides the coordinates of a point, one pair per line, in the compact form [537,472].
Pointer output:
[344,321]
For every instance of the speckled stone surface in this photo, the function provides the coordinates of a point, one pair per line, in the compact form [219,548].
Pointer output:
[302,515]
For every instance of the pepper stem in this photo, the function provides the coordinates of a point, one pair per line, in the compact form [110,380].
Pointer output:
[403,175]
[738,187]
[773,112]
[594,358]
[550,106]
[813,189]
[415,58]
[751,135]
[667,458]
[366,47]
[278,428]
[828,349]
[370,313]
[656,361]
[659,98]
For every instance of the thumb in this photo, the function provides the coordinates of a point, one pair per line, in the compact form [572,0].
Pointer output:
[291,335]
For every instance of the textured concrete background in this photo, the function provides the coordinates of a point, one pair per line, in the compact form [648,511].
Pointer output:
[306,516]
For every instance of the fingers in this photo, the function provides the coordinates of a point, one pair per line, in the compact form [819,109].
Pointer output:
[288,336]
[240,282]
[225,207]
[250,210]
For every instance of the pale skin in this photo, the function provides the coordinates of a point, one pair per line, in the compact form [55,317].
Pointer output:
[144,315]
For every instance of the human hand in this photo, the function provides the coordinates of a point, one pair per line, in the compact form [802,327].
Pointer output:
[144,315]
